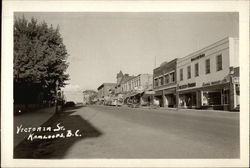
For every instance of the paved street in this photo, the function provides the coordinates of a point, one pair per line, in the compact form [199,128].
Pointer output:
[122,132]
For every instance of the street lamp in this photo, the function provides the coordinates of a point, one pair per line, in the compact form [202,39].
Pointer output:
[57,83]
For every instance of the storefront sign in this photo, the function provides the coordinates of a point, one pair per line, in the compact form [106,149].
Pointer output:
[198,57]
[214,82]
[187,85]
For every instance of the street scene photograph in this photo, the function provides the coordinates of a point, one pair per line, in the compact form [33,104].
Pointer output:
[126,85]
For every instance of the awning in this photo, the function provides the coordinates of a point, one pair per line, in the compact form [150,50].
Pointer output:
[149,92]
[170,91]
[216,87]
[206,88]
[158,93]
[134,94]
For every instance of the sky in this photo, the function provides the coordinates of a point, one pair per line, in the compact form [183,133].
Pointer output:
[101,44]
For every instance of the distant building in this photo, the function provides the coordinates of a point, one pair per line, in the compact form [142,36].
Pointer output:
[89,96]
[165,83]
[106,89]
[121,79]
[73,96]
[209,78]
[135,87]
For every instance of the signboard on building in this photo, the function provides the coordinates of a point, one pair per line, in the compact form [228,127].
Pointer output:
[189,85]
[198,57]
[214,82]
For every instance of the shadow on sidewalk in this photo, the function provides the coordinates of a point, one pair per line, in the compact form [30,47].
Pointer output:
[57,147]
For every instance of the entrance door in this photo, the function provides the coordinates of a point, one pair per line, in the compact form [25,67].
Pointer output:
[214,98]
[171,100]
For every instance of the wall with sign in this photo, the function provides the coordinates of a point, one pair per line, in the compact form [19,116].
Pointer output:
[211,52]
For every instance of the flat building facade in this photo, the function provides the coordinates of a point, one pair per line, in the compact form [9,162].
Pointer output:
[105,90]
[165,84]
[209,78]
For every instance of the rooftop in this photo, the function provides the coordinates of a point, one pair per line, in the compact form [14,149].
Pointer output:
[106,84]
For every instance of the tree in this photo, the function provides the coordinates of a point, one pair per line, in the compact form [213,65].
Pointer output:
[39,55]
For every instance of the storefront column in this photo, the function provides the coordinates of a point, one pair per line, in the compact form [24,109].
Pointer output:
[166,101]
[163,99]
[199,95]
[140,101]
[177,100]
[232,93]
[201,98]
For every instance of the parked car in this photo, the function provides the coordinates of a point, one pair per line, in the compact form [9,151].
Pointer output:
[69,104]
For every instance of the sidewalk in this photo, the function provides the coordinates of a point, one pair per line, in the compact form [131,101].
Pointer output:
[31,119]
[198,110]
[176,109]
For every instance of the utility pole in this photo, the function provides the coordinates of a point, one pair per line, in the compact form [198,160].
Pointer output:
[155,62]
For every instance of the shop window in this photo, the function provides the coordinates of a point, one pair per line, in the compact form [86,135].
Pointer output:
[219,62]
[207,66]
[196,69]
[237,89]
[189,72]
[188,99]
[181,74]
[166,79]
[205,99]
[213,98]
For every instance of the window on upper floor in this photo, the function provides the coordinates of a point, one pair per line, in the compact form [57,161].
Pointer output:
[172,77]
[219,62]
[181,74]
[189,72]
[166,79]
[207,64]
[156,82]
[196,69]
[161,81]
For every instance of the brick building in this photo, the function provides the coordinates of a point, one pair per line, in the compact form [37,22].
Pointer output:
[165,83]
[105,90]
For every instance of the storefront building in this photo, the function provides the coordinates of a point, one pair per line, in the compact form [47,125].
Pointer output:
[137,89]
[165,84]
[209,78]
[105,91]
